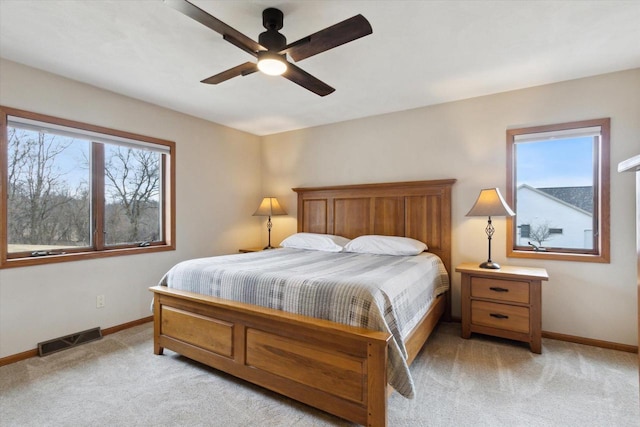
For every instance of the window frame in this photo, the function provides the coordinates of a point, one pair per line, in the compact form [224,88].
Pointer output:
[601,254]
[98,249]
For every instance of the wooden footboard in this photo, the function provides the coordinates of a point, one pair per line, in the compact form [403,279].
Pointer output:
[336,368]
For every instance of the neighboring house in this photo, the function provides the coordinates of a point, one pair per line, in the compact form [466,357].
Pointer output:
[561,216]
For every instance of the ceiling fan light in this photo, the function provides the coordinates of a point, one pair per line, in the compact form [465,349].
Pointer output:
[271,63]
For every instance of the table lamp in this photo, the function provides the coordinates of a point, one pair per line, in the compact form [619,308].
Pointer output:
[490,203]
[269,207]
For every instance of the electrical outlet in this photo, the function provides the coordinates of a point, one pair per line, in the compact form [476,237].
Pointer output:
[100,301]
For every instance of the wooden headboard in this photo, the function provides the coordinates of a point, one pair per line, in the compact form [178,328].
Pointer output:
[416,209]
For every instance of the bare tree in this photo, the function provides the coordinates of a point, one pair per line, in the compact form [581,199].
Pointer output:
[540,233]
[47,205]
[37,192]
[132,185]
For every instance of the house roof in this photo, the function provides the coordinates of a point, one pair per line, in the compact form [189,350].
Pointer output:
[580,197]
[420,53]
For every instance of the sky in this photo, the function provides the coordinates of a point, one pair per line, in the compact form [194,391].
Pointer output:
[555,163]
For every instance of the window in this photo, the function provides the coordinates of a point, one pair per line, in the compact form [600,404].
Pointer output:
[73,191]
[558,186]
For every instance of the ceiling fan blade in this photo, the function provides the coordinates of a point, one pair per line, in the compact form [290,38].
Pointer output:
[306,80]
[334,36]
[227,32]
[240,70]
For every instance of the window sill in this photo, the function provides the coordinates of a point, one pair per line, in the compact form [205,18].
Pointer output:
[559,256]
[77,256]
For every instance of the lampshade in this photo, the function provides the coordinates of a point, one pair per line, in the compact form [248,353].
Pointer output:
[271,63]
[269,207]
[490,203]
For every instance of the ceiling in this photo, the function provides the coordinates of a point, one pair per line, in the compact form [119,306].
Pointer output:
[420,53]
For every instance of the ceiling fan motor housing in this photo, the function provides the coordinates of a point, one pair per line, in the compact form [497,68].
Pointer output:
[272,20]
[272,40]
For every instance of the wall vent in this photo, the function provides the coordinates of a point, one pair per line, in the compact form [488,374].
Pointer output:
[63,343]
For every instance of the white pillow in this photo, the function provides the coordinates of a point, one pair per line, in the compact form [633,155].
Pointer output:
[385,245]
[315,242]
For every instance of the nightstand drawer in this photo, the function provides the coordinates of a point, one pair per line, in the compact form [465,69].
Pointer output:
[500,290]
[502,316]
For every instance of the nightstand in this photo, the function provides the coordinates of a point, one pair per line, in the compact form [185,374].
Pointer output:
[505,303]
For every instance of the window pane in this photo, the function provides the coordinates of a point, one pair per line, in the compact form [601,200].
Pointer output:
[555,192]
[81,191]
[48,204]
[132,195]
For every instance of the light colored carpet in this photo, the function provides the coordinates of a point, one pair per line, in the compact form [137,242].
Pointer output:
[118,381]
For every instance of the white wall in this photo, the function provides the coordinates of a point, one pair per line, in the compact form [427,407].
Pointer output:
[466,140]
[218,188]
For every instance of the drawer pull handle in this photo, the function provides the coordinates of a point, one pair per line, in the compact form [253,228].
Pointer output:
[498,316]
[497,289]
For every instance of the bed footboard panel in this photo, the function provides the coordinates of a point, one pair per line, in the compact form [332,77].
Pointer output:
[335,368]
[206,332]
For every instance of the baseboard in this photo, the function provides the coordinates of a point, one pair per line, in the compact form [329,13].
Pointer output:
[118,328]
[18,357]
[112,330]
[589,341]
[581,340]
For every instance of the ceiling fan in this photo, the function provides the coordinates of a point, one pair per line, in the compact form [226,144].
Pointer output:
[272,49]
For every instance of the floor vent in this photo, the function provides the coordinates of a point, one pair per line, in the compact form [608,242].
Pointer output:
[63,343]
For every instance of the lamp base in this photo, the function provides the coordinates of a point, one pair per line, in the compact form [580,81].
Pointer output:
[271,247]
[491,265]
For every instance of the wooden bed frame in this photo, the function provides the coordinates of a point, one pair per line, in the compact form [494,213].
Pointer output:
[333,367]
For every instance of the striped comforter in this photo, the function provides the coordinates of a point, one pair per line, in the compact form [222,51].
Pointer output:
[378,292]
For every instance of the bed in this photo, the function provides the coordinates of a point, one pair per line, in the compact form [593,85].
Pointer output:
[334,367]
